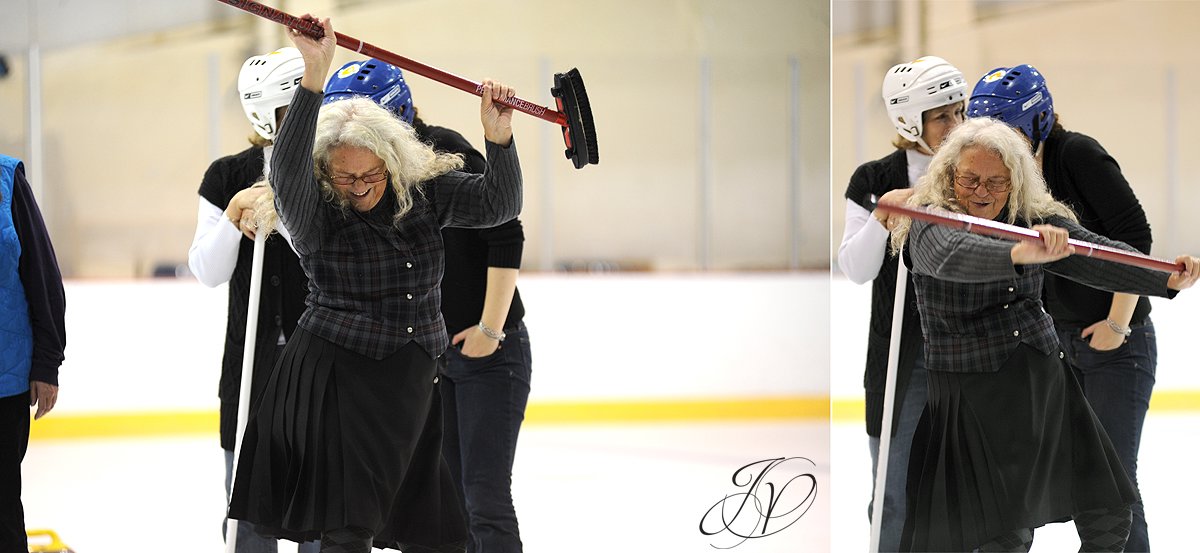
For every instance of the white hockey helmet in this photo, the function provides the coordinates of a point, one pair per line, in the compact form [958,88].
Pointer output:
[267,83]
[910,89]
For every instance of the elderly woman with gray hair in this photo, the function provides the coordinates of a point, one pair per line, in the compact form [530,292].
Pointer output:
[344,444]
[1007,442]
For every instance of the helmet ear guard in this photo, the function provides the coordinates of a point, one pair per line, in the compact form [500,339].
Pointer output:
[1019,97]
[378,80]
[267,83]
[910,89]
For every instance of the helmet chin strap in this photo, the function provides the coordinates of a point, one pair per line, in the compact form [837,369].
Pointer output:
[921,142]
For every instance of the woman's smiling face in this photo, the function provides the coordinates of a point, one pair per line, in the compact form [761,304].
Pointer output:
[358,175]
[982,182]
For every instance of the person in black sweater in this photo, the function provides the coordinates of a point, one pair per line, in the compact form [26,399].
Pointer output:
[32,309]
[922,120]
[223,248]
[486,371]
[1108,337]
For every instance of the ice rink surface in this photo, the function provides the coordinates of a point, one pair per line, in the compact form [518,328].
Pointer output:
[578,488]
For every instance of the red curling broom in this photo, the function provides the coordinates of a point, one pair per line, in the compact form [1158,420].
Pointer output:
[574,113]
[1012,232]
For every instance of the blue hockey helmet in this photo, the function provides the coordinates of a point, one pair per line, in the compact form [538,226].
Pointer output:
[1017,96]
[378,80]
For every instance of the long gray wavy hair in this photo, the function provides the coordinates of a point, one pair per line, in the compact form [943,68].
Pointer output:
[1028,197]
[362,123]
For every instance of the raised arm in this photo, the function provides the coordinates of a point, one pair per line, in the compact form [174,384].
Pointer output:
[297,193]
[479,201]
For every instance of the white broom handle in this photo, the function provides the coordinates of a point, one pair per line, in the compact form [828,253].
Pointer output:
[243,414]
[889,395]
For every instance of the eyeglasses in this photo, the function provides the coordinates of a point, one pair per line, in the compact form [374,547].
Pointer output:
[373,178]
[971,182]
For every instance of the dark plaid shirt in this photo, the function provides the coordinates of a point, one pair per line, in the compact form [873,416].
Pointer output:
[375,286]
[977,307]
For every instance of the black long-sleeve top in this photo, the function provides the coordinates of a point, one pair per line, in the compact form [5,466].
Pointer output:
[42,281]
[282,292]
[877,178]
[470,252]
[1081,174]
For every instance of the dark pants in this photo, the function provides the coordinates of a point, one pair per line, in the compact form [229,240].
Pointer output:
[483,405]
[14,440]
[1118,384]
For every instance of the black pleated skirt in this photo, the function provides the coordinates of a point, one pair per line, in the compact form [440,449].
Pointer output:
[1017,448]
[339,439]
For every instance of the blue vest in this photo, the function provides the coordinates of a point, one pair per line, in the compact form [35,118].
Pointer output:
[16,334]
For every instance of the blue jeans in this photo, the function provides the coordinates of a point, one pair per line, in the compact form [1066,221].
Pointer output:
[1118,384]
[483,405]
[248,540]
[908,412]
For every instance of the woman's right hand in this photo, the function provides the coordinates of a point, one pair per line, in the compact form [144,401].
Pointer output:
[1052,247]
[1187,277]
[241,209]
[898,196]
[317,54]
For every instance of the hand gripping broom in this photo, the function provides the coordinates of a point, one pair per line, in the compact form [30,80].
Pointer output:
[574,113]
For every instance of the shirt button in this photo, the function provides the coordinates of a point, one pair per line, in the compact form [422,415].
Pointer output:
[410,330]
[1015,332]
[278,320]
[1061,355]
[435,380]
[409,296]
[1010,288]
[274,280]
[409,265]
[1006,306]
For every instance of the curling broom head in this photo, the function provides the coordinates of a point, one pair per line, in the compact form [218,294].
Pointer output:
[580,131]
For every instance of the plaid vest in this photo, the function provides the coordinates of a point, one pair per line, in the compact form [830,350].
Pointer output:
[374,287]
[973,327]
[976,307]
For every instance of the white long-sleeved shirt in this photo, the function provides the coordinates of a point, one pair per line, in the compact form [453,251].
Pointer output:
[865,240]
[214,250]
[213,253]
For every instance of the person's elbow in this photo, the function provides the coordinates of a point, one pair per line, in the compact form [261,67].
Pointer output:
[850,268]
[513,211]
[201,272]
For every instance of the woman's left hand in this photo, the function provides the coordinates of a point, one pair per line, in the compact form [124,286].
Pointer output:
[1053,246]
[1186,278]
[317,54]
[1103,337]
[475,343]
[497,118]
[44,395]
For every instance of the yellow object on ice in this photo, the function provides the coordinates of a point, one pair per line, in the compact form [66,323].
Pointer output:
[46,541]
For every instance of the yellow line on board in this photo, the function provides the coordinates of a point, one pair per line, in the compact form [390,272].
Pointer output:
[124,425]
[178,423]
[1161,402]
[810,408]
[788,408]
